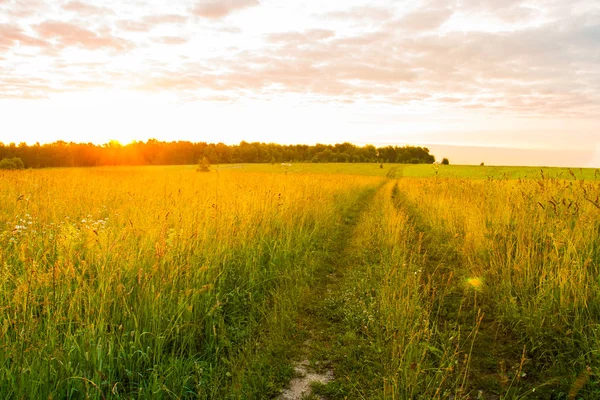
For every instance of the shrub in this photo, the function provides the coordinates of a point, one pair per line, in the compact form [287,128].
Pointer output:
[445,161]
[203,165]
[12,163]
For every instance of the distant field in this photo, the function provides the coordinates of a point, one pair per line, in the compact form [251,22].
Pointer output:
[422,170]
[388,283]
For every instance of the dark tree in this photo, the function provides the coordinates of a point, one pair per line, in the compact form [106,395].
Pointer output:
[155,152]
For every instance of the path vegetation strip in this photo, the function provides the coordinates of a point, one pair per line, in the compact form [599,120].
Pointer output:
[314,324]
[412,314]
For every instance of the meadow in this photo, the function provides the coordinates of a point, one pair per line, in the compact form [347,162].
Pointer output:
[423,170]
[403,282]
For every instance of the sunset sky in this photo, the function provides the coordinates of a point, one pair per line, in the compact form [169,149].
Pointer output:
[469,78]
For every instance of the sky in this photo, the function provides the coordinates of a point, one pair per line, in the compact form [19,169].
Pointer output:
[511,82]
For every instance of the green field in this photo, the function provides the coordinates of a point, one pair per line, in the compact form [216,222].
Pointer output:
[423,170]
[401,282]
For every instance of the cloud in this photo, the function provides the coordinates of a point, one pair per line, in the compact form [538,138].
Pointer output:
[133,26]
[12,34]
[150,22]
[511,11]
[361,14]
[172,40]
[216,9]
[161,19]
[542,70]
[228,29]
[380,56]
[424,20]
[80,84]
[300,37]
[86,9]
[189,81]
[68,34]
[25,9]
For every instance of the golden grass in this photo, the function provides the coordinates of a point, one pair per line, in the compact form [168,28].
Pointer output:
[156,282]
[151,279]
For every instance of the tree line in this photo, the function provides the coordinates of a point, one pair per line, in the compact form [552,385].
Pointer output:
[155,152]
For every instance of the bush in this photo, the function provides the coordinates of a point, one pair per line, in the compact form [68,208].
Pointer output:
[12,163]
[203,165]
[445,161]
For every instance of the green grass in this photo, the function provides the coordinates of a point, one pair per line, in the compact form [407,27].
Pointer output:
[421,170]
[388,170]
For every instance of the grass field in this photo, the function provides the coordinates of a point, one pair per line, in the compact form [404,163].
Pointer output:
[424,170]
[402,282]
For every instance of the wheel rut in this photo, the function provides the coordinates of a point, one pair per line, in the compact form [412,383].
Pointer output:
[314,327]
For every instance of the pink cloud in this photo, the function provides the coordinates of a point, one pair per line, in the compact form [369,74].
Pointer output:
[133,26]
[216,9]
[179,82]
[449,99]
[68,34]
[149,22]
[165,19]
[424,20]
[86,9]
[172,40]
[24,9]
[12,34]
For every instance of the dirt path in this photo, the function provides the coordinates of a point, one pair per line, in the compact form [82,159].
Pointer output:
[301,386]
[314,325]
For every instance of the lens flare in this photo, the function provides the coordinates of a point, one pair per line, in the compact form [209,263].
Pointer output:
[475,282]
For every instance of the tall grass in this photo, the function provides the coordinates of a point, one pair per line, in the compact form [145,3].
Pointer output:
[472,289]
[152,282]
[533,247]
[396,343]
[167,283]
